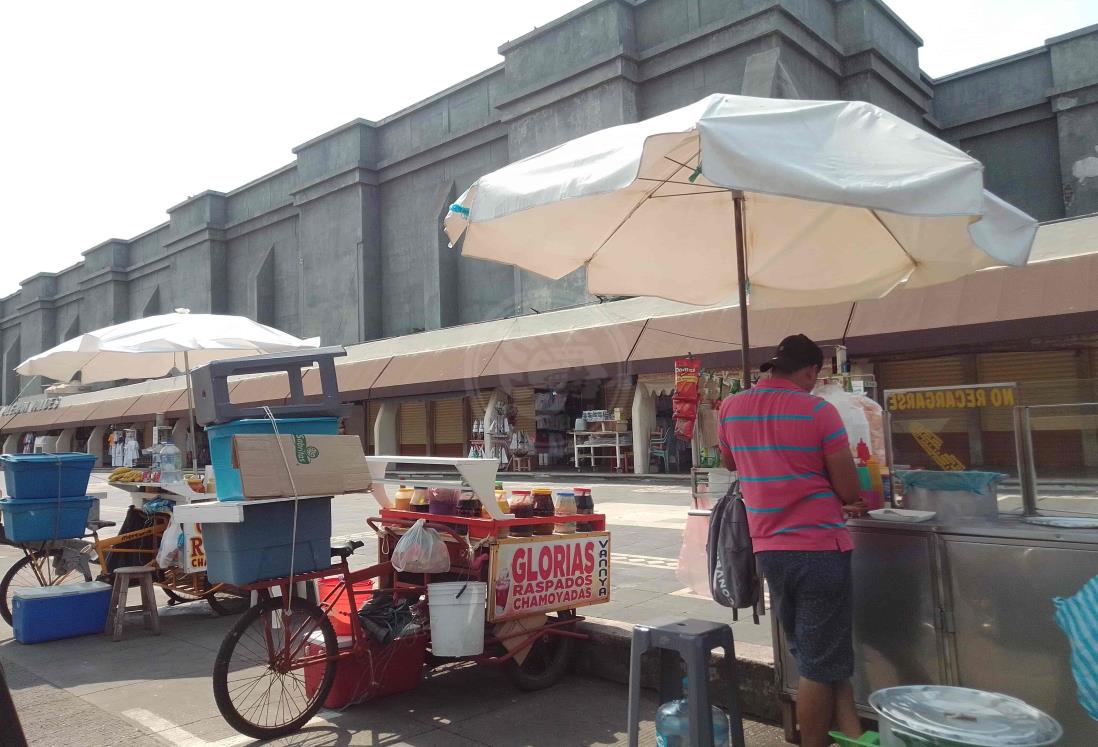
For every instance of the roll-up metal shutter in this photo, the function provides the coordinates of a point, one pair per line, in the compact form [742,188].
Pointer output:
[449,421]
[478,404]
[523,400]
[1046,377]
[413,428]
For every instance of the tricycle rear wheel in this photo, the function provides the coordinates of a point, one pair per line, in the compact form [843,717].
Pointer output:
[260,686]
[546,662]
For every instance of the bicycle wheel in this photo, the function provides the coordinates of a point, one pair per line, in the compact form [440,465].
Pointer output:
[262,684]
[545,663]
[34,571]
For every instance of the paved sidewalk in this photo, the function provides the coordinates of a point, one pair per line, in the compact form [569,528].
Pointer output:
[147,690]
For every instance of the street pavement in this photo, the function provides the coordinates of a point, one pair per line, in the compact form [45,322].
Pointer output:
[143,690]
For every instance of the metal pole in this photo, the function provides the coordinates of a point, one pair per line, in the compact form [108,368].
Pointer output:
[190,411]
[1027,466]
[741,271]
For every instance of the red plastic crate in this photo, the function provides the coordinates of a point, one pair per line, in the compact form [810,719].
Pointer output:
[376,672]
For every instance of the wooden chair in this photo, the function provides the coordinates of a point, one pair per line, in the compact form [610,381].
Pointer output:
[116,614]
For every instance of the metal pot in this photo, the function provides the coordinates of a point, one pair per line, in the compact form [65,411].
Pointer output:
[940,716]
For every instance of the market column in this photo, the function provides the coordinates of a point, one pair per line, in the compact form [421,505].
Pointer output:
[644,418]
[385,429]
[11,443]
[64,441]
[95,445]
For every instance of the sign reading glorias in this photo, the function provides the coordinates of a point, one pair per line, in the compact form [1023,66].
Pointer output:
[952,398]
[37,405]
[194,556]
[532,575]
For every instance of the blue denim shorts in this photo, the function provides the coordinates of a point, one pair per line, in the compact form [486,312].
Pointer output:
[813,595]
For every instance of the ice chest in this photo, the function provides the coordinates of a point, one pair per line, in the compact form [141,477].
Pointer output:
[28,476]
[35,520]
[48,613]
[259,547]
[221,445]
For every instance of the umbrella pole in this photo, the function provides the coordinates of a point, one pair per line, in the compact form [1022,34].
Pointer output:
[741,271]
[190,411]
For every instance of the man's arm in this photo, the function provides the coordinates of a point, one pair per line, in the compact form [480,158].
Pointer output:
[728,460]
[843,476]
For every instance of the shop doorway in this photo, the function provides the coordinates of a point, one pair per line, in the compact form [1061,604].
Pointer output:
[666,453]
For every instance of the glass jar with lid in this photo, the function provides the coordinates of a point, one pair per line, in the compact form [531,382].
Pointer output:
[565,505]
[419,501]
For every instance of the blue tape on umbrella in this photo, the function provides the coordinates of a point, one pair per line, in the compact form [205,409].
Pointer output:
[460,209]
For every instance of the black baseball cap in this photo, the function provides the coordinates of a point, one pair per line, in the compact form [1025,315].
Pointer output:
[794,353]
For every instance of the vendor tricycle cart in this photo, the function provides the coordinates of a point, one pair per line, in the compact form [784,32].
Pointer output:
[279,663]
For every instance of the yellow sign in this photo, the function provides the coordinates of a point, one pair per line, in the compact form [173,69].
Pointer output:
[959,398]
[932,445]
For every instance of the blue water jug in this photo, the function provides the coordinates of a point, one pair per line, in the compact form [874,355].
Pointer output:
[673,723]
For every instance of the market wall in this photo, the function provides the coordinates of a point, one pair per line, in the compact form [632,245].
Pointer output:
[345,241]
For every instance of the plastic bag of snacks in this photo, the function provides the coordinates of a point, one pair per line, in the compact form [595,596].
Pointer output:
[421,550]
[851,412]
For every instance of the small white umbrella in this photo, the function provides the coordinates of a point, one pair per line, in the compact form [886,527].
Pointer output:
[158,345]
[799,202]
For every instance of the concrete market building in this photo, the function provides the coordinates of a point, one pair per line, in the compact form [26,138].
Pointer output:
[345,241]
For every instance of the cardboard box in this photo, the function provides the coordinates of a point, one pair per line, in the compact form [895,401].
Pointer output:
[320,465]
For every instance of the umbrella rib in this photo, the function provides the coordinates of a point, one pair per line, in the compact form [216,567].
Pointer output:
[634,209]
[914,262]
[692,194]
[685,184]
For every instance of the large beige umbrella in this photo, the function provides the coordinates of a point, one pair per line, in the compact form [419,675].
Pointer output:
[783,203]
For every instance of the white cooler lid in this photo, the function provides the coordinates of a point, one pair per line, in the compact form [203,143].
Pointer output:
[959,715]
[62,590]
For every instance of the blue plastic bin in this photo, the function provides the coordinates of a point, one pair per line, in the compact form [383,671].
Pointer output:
[48,613]
[259,547]
[221,445]
[28,476]
[32,521]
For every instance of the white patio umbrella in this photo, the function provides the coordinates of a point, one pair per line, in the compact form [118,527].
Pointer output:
[158,345]
[790,203]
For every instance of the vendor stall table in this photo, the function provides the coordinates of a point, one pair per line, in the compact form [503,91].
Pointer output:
[593,441]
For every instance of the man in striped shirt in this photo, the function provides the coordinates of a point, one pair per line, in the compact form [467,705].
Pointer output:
[798,481]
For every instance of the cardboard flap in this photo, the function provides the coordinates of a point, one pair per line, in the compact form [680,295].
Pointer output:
[320,465]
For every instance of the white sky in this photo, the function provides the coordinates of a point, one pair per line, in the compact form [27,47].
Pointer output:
[115,110]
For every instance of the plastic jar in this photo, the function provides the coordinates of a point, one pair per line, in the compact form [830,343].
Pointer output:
[543,509]
[522,506]
[565,505]
[420,503]
[585,504]
[402,500]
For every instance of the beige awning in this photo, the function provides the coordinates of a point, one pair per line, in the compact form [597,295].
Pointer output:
[150,405]
[354,379]
[112,411]
[268,390]
[437,366]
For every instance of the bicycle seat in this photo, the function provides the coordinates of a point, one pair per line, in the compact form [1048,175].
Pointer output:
[347,549]
[97,524]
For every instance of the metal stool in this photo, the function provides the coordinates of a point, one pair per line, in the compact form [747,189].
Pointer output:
[692,640]
[116,614]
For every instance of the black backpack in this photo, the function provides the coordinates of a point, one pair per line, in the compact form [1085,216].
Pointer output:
[733,574]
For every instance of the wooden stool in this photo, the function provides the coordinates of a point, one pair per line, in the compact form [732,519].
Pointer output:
[116,613]
[521,464]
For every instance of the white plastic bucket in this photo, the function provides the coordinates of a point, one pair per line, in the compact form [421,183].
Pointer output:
[457,617]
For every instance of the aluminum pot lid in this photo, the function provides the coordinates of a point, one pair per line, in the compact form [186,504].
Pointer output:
[967,717]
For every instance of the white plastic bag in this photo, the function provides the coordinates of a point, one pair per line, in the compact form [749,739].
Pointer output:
[171,546]
[421,550]
[851,412]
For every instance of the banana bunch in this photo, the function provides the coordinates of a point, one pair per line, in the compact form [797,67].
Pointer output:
[125,474]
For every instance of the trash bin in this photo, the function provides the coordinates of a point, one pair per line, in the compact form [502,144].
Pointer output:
[953,496]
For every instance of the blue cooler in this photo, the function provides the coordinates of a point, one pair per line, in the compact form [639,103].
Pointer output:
[35,520]
[48,613]
[259,547]
[29,476]
[221,445]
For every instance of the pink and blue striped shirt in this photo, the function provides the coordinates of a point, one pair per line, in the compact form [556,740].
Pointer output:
[778,435]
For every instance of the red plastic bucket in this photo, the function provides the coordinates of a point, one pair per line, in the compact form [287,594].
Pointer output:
[340,612]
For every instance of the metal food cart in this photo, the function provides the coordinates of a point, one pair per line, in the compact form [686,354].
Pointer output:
[968,603]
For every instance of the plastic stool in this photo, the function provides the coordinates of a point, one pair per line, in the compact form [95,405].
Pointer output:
[116,613]
[692,640]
